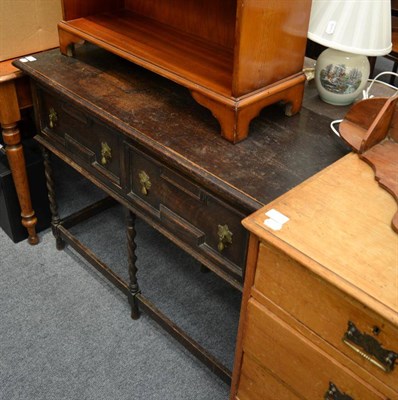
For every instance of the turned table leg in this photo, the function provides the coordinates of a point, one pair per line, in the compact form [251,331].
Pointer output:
[52,200]
[132,258]
[9,116]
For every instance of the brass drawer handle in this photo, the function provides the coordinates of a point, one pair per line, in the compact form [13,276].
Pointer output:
[224,237]
[106,153]
[52,118]
[334,394]
[145,182]
[369,348]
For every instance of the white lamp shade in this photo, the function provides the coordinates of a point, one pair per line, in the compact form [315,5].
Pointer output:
[355,26]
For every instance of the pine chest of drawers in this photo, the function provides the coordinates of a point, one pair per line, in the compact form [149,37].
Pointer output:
[320,311]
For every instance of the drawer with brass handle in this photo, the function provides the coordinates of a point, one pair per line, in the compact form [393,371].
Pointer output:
[298,362]
[81,135]
[370,348]
[362,335]
[203,221]
[58,118]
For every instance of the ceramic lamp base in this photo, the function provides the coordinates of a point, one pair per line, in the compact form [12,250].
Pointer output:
[340,77]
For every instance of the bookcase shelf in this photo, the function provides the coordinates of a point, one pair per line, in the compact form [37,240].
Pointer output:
[234,60]
[160,48]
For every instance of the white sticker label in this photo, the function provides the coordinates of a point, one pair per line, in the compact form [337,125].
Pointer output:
[275,226]
[31,58]
[23,60]
[277,216]
[275,220]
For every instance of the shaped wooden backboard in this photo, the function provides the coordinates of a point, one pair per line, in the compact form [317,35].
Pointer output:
[371,129]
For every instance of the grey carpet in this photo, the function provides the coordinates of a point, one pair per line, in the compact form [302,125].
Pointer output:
[202,304]
[66,332]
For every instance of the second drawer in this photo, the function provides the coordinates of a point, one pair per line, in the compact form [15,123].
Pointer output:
[202,220]
[303,367]
[359,333]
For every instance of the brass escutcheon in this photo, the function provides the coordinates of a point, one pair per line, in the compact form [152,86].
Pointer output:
[145,182]
[224,237]
[106,153]
[52,118]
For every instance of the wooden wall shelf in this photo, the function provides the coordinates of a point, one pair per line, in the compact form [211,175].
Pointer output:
[235,57]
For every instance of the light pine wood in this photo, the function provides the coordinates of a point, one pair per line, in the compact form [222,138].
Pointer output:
[383,158]
[295,360]
[335,260]
[369,120]
[320,306]
[376,139]
[256,383]
[14,95]
[8,71]
[339,228]
[351,364]
[236,57]
[249,278]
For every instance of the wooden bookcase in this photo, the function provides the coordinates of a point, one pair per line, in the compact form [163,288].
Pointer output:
[235,57]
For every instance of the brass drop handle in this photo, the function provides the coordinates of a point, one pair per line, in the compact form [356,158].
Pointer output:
[369,348]
[145,182]
[106,153]
[224,237]
[333,393]
[52,118]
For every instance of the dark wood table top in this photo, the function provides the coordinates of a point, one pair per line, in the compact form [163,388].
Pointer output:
[279,153]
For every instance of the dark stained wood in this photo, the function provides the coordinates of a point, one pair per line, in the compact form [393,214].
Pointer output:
[162,118]
[133,283]
[131,289]
[236,57]
[195,348]
[55,218]
[88,212]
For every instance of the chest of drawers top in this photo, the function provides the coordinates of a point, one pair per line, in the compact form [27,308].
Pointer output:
[162,117]
[340,228]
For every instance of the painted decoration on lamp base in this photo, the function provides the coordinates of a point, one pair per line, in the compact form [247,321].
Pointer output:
[340,77]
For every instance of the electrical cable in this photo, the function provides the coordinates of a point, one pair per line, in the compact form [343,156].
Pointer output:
[365,95]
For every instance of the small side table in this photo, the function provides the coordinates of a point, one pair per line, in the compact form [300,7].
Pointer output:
[15,95]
